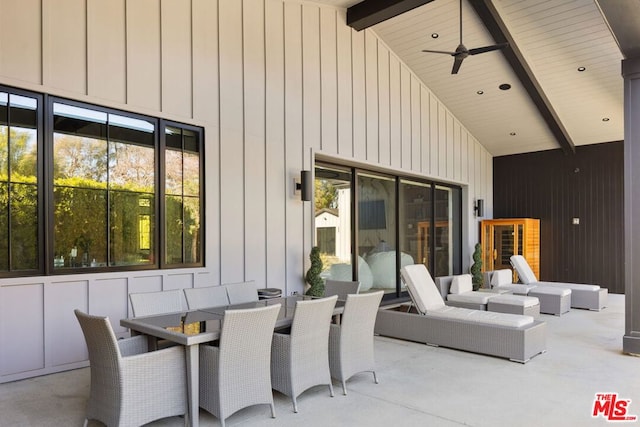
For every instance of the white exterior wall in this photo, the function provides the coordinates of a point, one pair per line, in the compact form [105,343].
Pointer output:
[274,83]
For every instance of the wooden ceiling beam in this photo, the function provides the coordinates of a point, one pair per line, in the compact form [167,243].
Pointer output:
[498,30]
[370,12]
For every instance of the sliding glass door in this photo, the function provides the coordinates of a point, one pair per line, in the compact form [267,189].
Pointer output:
[384,222]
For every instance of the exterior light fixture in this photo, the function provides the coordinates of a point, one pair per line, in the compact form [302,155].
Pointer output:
[435,35]
[505,86]
[305,186]
[605,119]
[480,92]
[581,69]
[478,208]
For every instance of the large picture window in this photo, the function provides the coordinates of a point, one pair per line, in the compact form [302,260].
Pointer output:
[112,178]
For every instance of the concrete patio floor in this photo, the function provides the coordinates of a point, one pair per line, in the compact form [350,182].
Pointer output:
[419,386]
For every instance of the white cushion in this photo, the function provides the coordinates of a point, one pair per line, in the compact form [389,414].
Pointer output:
[460,284]
[471,297]
[516,300]
[517,289]
[481,316]
[550,290]
[501,277]
[525,273]
[574,286]
[423,291]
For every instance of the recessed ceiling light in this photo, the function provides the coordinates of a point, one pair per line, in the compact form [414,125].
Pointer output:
[605,119]
[581,69]
[512,134]
[505,86]
[435,35]
[480,92]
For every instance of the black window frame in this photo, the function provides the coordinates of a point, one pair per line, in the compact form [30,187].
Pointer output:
[433,184]
[45,190]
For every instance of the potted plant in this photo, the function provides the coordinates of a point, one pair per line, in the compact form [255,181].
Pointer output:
[313,274]
[476,268]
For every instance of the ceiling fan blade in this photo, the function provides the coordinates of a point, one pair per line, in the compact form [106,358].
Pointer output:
[456,65]
[484,49]
[439,51]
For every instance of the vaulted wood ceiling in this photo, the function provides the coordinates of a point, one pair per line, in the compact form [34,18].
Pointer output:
[551,104]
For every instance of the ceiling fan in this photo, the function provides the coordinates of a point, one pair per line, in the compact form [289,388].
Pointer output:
[462,52]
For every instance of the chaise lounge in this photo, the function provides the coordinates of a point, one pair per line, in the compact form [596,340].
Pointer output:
[512,336]
[590,297]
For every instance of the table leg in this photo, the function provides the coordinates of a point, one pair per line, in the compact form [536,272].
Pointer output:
[193,385]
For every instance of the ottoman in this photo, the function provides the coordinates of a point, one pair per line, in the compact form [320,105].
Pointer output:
[515,304]
[552,300]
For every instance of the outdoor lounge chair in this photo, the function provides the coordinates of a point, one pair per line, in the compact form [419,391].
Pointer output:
[512,336]
[458,292]
[591,297]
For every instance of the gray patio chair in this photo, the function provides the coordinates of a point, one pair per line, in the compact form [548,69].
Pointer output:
[351,342]
[300,360]
[150,303]
[130,387]
[208,296]
[342,288]
[236,374]
[242,292]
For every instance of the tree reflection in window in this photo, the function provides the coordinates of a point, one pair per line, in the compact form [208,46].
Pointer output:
[104,179]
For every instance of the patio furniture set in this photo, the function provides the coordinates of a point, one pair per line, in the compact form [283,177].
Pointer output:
[224,351]
[502,321]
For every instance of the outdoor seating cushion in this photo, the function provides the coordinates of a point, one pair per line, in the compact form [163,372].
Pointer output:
[575,286]
[422,289]
[516,300]
[483,317]
[517,289]
[501,277]
[471,297]
[550,290]
[461,283]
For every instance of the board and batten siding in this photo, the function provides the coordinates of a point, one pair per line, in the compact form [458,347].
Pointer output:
[274,84]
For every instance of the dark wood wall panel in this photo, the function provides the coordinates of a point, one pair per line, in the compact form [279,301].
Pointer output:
[556,188]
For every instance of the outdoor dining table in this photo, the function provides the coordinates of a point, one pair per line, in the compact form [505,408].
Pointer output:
[194,327]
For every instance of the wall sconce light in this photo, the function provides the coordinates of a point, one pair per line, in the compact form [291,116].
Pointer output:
[479,208]
[305,186]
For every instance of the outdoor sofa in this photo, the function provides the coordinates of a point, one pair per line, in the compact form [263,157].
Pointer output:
[512,336]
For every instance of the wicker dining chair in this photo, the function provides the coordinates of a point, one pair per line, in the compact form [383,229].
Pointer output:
[236,373]
[150,303]
[342,288]
[208,296]
[300,360]
[351,342]
[130,387]
[242,292]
